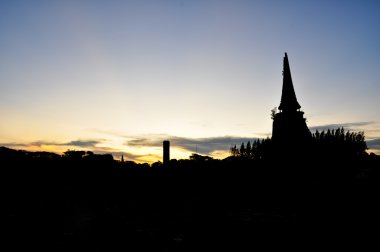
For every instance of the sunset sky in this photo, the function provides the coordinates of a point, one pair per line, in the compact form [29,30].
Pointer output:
[121,76]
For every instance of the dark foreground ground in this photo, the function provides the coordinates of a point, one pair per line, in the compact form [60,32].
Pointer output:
[233,205]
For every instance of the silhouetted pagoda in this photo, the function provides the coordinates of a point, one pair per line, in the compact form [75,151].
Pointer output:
[289,126]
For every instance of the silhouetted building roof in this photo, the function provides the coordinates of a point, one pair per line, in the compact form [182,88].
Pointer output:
[288,98]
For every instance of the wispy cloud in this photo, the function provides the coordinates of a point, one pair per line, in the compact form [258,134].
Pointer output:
[214,146]
[374,143]
[83,143]
[113,133]
[201,145]
[75,143]
[13,144]
[352,125]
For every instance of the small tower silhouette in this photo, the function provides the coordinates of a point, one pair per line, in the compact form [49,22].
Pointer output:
[290,132]
[166,156]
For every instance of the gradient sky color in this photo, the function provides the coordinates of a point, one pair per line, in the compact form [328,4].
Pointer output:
[121,76]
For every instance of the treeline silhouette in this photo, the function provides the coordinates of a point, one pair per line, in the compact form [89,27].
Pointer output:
[259,149]
[239,203]
[330,145]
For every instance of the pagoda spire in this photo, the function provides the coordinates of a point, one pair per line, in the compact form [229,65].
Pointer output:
[290,133]
[288,98]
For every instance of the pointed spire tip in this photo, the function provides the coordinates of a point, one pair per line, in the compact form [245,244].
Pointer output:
[288,97]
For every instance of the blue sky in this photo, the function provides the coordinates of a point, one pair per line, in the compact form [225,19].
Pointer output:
[112,72]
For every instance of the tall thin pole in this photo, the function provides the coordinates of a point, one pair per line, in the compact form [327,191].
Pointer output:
[166,154]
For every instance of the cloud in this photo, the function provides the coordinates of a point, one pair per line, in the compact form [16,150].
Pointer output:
[201,145]
[76,143]
[352,125]
[374,144]
[214,146]
[113,133]
[83,143]
[14,145]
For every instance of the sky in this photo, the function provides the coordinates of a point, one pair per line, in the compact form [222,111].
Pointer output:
[120,77]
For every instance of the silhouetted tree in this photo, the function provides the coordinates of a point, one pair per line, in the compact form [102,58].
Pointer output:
[73,154]
[242,150]
[200,158]
[248,150]
[234,151]
[339,143]
[335,143]
[273,113]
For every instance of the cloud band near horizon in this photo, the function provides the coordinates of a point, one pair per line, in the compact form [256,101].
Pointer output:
[204,146]
[200,145]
